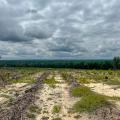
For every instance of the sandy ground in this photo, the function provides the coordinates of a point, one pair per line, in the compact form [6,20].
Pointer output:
[16,86]
[2,100]
[60,96]
[12,91]
[104,89]
[56,96]
[48,97]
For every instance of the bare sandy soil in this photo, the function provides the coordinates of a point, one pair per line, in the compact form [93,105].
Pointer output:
[2,100]
[108,90]
[12,91]
[49,97]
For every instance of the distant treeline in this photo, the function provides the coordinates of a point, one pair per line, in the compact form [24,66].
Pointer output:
[78,64]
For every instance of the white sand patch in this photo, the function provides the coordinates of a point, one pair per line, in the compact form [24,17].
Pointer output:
[104,89]
[37,75]
[16,85]
[2,100]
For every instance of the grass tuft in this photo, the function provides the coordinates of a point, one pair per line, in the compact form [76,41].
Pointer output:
[31,115]
[56,109]
[51,82]
[112,82]
[33,108]
[90,103]
[84,80]
[26,79]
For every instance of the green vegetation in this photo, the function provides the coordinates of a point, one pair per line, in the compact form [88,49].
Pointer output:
[51,82]
[89,100]
[90,103]
[17,75]
[56,109]
[31,115]
[116,63]
[26,79]
[34,109]
[84,80]
[110,77]
[113,82]
[82,64]
[65,76]
[81,91]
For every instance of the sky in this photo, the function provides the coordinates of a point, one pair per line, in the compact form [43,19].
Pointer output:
[59,29]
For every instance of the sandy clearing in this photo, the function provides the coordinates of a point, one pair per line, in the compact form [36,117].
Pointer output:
[104,89]
[48,97]
[56,96]
[12,91]
[18,88]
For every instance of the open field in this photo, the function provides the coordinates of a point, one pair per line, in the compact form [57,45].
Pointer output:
[59,94]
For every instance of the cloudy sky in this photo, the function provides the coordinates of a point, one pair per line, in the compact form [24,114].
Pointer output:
[59,29]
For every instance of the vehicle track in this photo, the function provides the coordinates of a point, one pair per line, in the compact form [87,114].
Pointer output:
[17,110]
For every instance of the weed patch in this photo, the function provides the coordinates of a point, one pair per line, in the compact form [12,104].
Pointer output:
[56,109]
[90,103]
[34,109]
[81,91]
[51,82]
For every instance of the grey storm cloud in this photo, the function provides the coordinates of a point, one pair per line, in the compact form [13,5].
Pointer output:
[59,28]
[41,30]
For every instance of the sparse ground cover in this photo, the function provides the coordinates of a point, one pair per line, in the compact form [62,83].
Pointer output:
[56,108]
[81,91]
[67,94]
[17,80]
[109,77]
[51,81]
[90,103]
